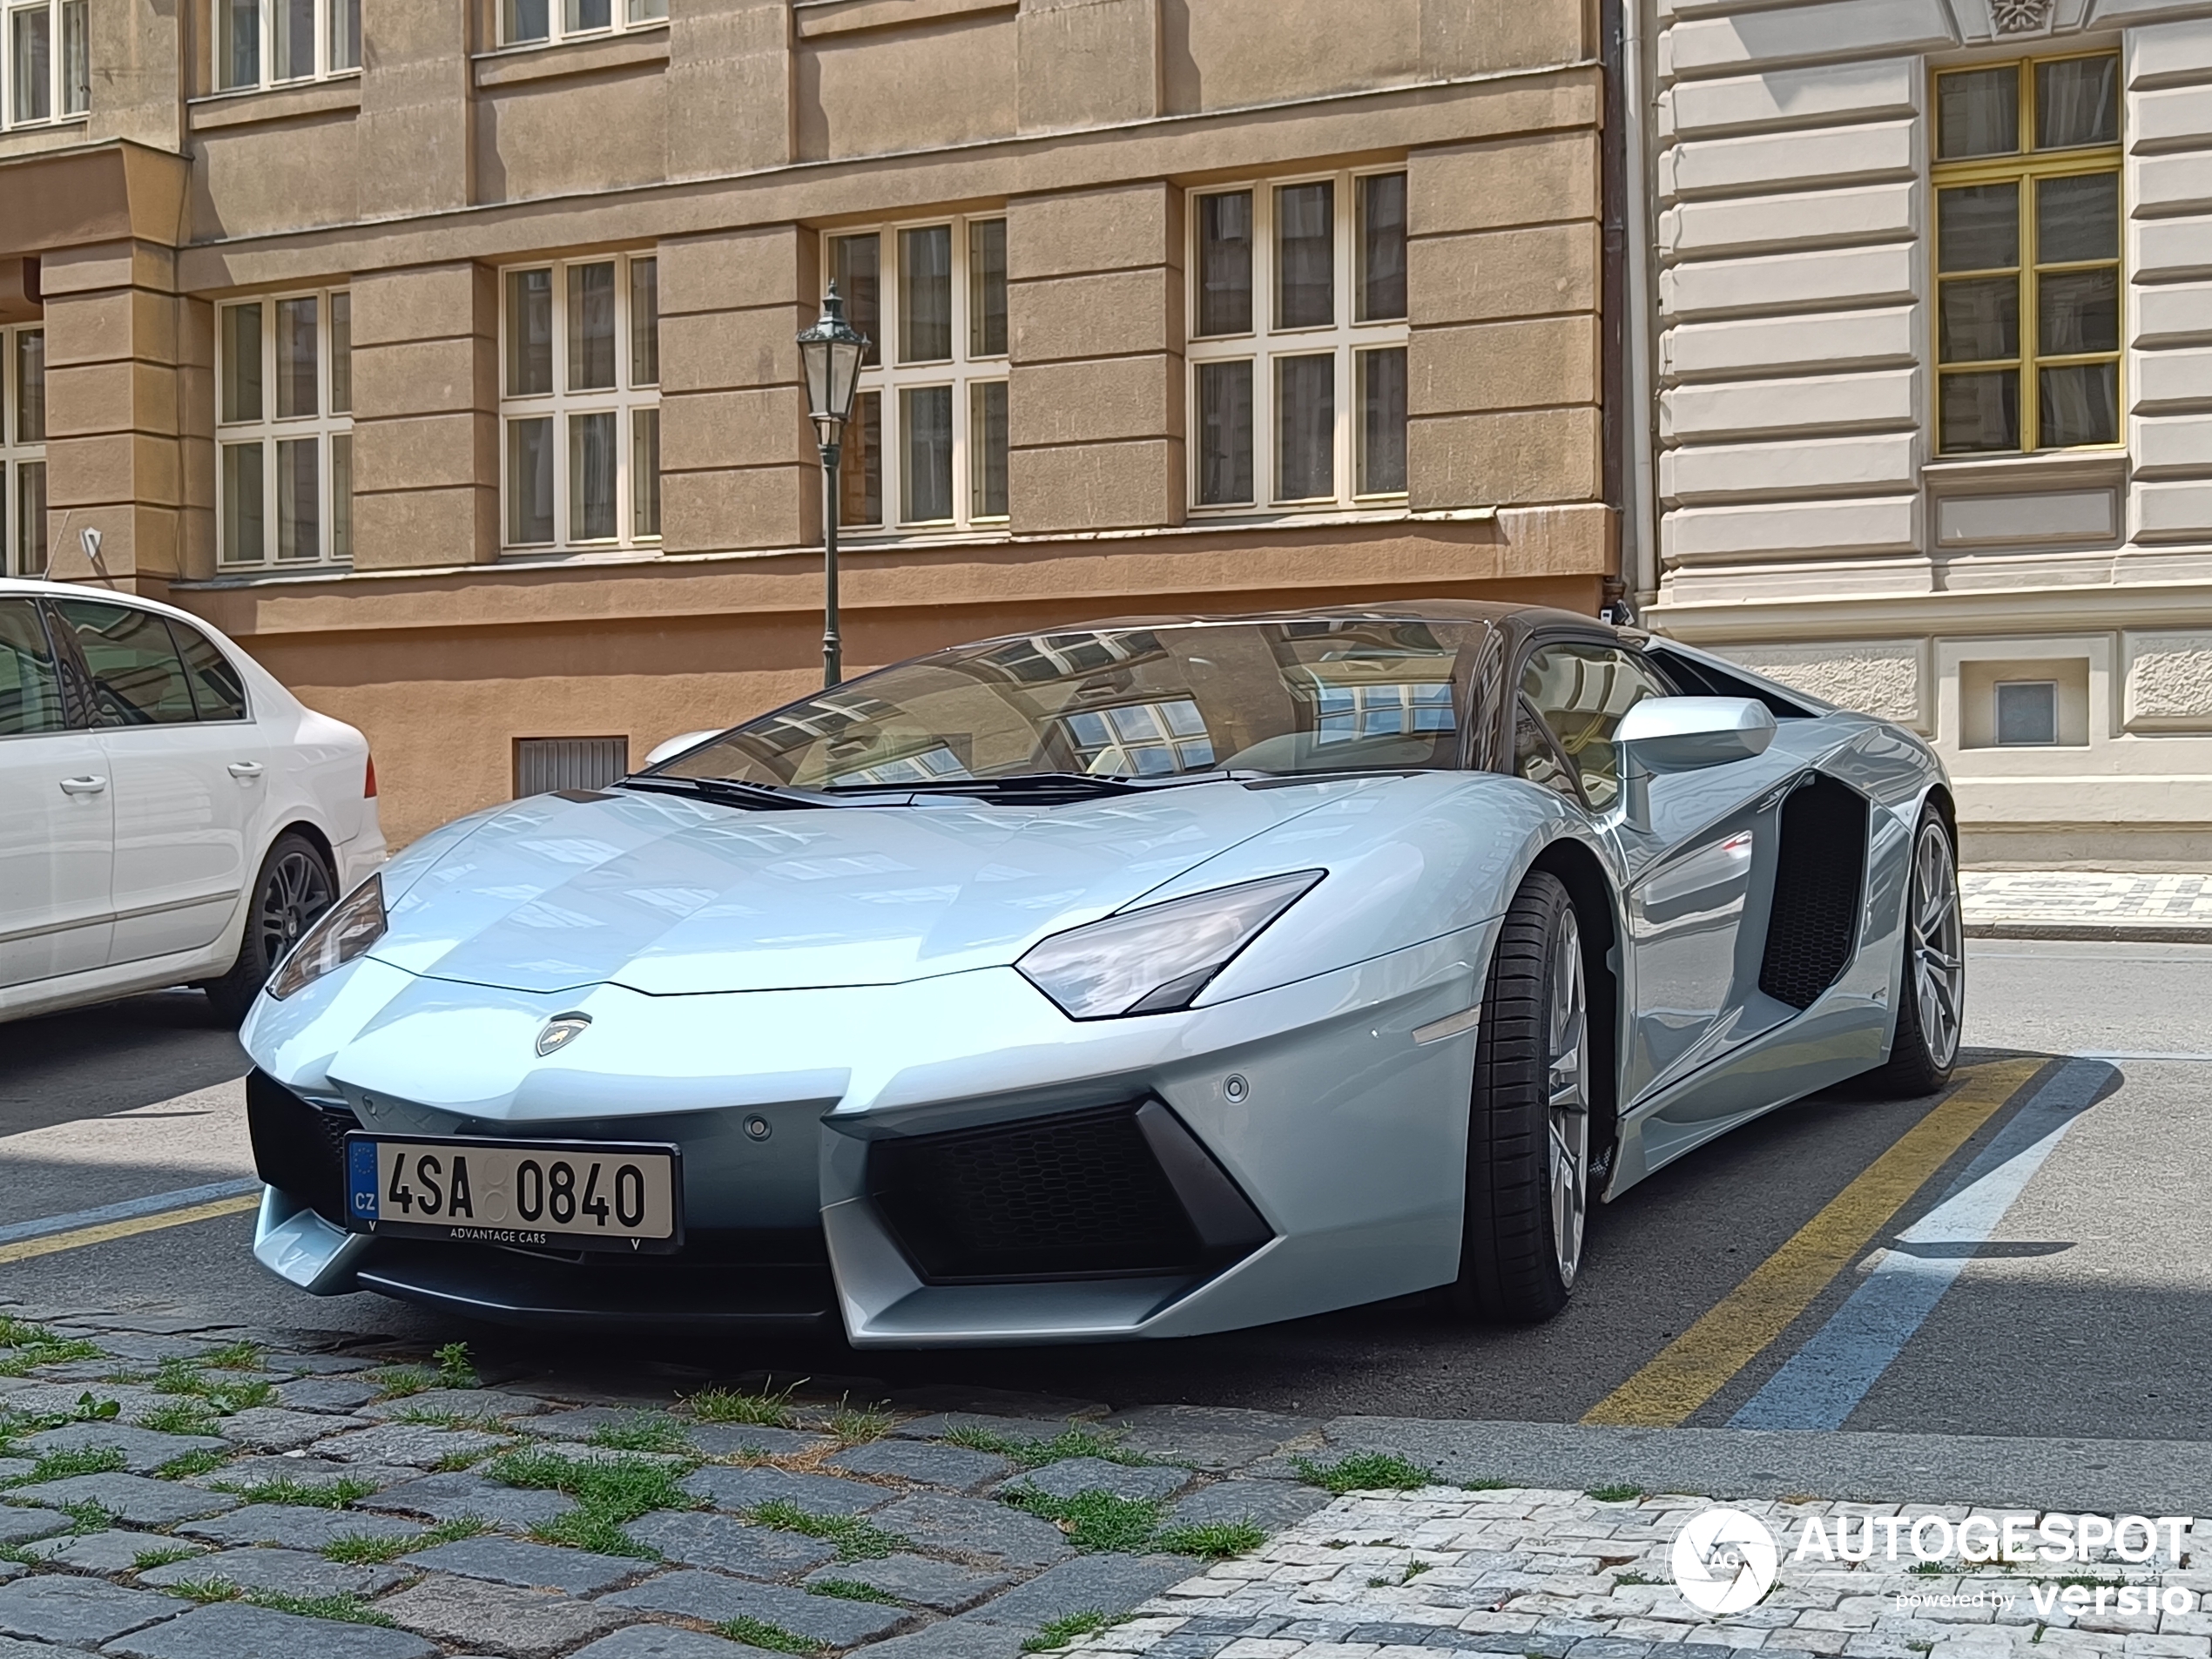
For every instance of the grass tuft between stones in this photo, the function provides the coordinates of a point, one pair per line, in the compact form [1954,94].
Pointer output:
[177,1375]
[456,1370]
[643,1431]
[233,1356]
[160,1555]
[181,1417]
[1092,1520]
[308,1494]
[73,1460]
[1216,1540]
[608,1491]
[774,1638]
[1036,1453]
[851,1589]
[1060,1631]
[760,1409]
[348,1609]
[33,1345]
[1363,1472]
[206,1461]
[856,1540]
[359,1549]
[1619,1493]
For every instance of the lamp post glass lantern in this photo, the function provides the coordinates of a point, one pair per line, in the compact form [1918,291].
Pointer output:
[830,355]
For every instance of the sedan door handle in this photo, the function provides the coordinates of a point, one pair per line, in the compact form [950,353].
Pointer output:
[87,784]
[245,769]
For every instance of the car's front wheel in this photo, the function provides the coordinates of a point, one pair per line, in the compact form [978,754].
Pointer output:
[1931,985]
[1529,1133]
[294,888]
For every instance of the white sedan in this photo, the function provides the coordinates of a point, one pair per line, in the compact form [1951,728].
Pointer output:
[169,814]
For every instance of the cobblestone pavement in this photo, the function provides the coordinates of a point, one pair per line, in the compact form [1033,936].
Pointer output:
[173,1491]
[1561,1575]
[2068,901]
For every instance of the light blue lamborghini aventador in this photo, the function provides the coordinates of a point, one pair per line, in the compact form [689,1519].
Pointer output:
[1142,978]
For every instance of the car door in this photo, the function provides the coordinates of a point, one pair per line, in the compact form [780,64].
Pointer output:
[180,813]
[1689,849]
[56,816]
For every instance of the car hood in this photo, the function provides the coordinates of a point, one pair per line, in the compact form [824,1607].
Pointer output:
[669,896]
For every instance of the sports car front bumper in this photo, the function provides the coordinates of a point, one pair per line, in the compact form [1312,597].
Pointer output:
[942,1162]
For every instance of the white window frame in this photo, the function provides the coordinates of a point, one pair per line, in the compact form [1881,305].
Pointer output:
[331,44]
[17,453]
[886,377]
[327,426]
[67,98]
[624,399]
[1265,343]
[563,22]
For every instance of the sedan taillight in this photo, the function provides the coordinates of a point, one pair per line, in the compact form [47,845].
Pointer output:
[368,782]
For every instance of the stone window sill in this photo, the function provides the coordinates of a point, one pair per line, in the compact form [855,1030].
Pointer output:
[2051,469]
[817,18]
[516,65]
[250,106]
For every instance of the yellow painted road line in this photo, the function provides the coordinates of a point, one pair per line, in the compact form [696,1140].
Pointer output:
[1695,1367]
[82,1236]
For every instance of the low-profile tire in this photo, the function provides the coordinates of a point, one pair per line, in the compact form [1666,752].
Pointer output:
[1931,983]
[294,885]
[1528,1130]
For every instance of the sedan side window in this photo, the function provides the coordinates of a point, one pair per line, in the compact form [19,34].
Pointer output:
[216,689]
[1581,691]
[137,678]
[30,691]
[1534,758]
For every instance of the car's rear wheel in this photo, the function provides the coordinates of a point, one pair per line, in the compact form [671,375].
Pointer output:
[1529,1133]
[1932,987]
[294,888]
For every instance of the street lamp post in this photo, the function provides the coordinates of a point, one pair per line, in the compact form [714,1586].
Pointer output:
[830,353]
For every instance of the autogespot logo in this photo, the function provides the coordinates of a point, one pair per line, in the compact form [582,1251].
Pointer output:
[1725,1561]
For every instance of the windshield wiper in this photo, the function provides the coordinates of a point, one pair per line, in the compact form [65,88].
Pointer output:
[727,791]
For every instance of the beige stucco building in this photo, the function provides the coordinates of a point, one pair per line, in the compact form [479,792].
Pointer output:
[442,353]
[1929,326]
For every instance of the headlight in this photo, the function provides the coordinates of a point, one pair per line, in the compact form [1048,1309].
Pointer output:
[341,933]
[1156,960]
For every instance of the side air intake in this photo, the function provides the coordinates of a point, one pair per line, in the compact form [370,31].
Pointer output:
[1819,887]
[1119,1193]
[298,1147]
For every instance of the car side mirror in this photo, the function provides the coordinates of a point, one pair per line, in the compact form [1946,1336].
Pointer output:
[675,746]
[1687,733]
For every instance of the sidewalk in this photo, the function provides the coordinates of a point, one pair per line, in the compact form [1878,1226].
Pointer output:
[1561,1575]
[2086,904]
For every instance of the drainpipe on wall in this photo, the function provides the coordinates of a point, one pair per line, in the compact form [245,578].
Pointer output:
[1639,484]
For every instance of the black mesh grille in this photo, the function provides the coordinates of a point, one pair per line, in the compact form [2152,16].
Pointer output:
[298,1147]
[1818,881]
[1058,1198]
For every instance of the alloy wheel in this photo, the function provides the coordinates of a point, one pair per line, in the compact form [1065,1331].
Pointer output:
[1937,945]
[297,890]
[1566,1090]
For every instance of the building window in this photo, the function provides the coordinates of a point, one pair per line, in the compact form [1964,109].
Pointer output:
[2027,255]
[537,23]
[23,451]
[2027,713]
[926,447]
[49,72]
[1297,343]
[284,430]
[580,403]
[272,42]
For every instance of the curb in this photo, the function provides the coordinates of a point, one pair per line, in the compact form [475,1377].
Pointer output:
[2145,933]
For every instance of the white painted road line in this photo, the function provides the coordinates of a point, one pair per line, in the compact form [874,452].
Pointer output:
[1822,1384]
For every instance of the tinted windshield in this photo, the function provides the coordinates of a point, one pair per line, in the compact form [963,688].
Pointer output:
[1304,695]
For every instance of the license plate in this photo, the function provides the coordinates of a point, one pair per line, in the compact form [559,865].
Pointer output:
[571,1195]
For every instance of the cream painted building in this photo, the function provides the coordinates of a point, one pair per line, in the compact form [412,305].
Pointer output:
[1928,332]
[441,351]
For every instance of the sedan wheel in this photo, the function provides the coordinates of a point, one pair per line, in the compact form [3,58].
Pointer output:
[294,886]
[1529,1133]
[1931,984]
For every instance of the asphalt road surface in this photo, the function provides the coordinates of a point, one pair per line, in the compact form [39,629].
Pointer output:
[2027,1257]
